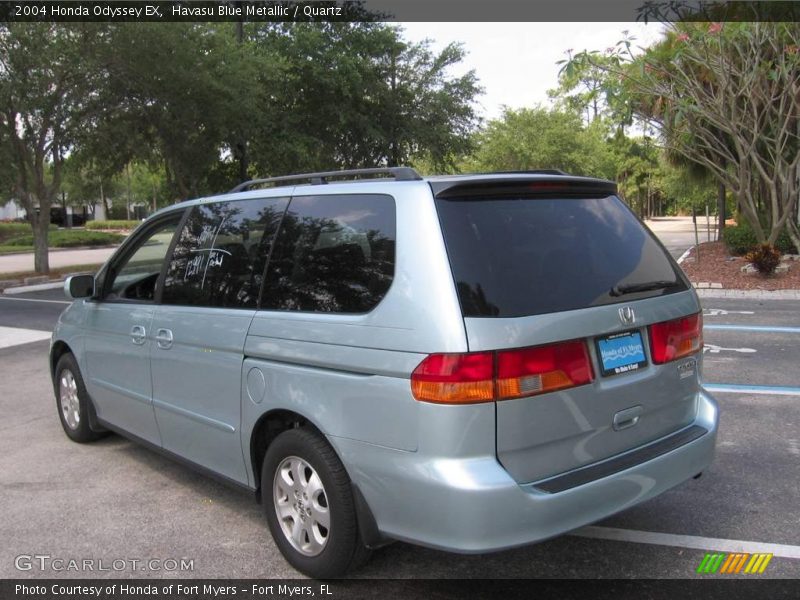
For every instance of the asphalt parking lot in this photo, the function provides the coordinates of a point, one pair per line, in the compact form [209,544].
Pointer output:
[115,500]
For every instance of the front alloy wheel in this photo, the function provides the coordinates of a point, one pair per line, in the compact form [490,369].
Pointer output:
[73,401]
[68,396]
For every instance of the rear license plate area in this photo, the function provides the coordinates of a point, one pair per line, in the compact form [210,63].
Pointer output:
[620,353]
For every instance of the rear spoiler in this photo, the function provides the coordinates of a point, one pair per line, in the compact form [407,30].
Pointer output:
[523,187]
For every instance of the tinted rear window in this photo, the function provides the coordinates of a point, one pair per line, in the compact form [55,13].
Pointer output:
[334,254]
[514,257]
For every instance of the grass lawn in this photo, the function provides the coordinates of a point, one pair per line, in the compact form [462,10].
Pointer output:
[20,239]
[15,249]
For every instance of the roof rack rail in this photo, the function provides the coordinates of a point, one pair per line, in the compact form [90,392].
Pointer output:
[399,174]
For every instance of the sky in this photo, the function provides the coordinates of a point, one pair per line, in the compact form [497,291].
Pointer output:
[516,62]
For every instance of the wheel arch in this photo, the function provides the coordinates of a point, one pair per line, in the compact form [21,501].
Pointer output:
[59,349]
[267,428]
[273,423]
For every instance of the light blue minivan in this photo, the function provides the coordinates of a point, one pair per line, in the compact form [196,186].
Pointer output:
[469,363]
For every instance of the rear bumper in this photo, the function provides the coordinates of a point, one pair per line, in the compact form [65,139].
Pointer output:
[473,505]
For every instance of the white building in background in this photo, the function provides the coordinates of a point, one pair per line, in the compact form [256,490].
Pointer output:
[11,211]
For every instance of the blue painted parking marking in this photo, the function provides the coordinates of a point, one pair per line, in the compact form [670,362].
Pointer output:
[734,388]
[765,328]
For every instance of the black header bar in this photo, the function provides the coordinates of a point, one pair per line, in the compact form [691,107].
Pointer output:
[644,11]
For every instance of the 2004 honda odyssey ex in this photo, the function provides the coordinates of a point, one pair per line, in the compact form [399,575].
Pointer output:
[469,363]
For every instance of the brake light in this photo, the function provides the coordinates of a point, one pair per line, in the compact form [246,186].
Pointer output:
[531,371]
[455,378]
[675,339]
[488,376]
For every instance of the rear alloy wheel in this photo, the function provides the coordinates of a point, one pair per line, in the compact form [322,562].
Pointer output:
[309,505]
[73,401]
[301,505]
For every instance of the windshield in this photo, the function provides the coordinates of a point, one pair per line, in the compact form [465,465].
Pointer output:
[515,257]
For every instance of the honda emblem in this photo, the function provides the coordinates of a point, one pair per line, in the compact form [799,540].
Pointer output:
[626,315]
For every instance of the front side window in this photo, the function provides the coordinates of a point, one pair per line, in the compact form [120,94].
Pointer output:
[136,276]
[334,254]
[221,253]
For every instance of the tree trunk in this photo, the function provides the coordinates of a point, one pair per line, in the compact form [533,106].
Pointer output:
[41,258]
[104,200]
[394,152]
[720,209]
[241,143]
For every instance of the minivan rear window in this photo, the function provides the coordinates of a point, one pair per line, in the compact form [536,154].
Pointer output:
[520,256]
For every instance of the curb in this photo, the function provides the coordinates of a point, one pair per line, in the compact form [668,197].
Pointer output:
[685,254]
[21,289]
[749,294]
[70,249]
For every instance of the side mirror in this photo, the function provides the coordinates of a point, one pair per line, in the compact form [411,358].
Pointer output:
[79,286]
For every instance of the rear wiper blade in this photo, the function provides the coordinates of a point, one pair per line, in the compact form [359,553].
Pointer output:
[621,290]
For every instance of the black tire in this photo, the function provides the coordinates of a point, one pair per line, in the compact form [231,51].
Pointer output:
[319,552]
[73,412]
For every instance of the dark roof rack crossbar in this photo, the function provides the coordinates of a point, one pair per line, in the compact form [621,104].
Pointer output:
[529,172]
[399,174]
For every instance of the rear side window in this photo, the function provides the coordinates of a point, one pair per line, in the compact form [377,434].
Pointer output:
[221,253]
[520,256]
[334,254]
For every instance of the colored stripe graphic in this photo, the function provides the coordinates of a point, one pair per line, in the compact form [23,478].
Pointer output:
[711,563]
[758,563]
[732,563]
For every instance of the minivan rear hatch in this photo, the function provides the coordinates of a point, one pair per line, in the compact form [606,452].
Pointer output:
[558,271]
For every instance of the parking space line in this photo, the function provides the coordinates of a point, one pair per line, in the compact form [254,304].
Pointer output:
[765,328]
[735,388]
[686,541]
[35,300]
[14,336]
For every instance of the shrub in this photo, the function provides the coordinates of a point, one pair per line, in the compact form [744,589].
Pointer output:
[8,230]
[765,258]
[117,224]
[69,239]
[741,239]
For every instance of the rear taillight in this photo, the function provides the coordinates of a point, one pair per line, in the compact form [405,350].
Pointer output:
[487,376]
[532,371]
[455,378]
[672,340]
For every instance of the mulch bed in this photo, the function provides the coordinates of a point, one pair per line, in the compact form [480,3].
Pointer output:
[716,265]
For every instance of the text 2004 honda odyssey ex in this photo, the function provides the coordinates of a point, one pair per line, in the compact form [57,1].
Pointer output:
[469,363]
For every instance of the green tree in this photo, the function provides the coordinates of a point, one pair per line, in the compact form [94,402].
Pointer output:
[727,96]
[537,138]
[587,86]
[86,181]
[638,173]
[357,95]
[179,94]
[44,105]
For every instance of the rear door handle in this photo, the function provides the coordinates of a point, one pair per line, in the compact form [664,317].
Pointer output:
[164,338]
[138,334]
[627,418]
